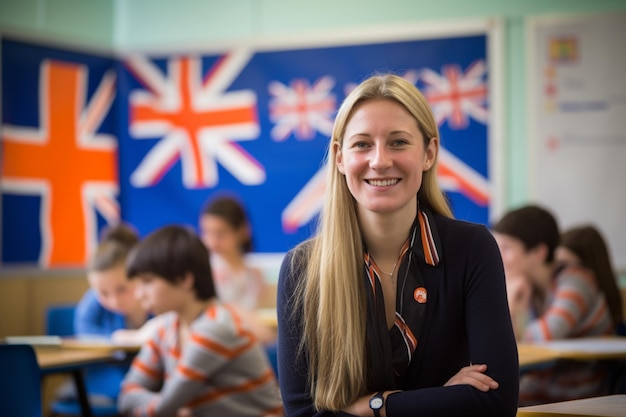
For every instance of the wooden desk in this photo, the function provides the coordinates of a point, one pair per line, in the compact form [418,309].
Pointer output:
[592,348]
[267,316]
[589,348]
[608,406]
[72,361]
[98,344]
[530,355]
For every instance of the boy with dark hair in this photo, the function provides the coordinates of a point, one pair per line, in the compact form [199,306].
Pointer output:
[200,361]
[569,304]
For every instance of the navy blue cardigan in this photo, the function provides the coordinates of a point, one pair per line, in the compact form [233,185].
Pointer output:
[467,322]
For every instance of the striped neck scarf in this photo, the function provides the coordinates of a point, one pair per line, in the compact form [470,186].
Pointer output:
[390,351]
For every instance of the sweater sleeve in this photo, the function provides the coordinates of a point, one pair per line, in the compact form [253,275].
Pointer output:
[211,345]
[140,388]
[575,292]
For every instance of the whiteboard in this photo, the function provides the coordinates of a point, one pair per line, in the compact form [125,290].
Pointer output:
[577,122]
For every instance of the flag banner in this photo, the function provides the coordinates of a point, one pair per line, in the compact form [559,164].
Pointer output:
[59,154]
[148,138]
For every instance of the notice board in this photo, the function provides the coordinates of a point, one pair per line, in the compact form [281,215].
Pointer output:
[577,111]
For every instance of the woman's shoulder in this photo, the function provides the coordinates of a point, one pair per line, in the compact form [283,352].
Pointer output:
[455,228]
[298,255]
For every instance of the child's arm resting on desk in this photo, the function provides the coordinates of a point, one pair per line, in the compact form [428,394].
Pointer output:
[136,336]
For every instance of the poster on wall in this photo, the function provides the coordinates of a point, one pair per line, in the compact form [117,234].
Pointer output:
[578,123]
[174,130]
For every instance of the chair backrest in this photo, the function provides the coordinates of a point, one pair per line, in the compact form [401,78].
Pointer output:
[60,320]
[20,382]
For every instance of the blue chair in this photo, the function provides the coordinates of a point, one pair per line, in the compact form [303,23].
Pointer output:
[102,381]
[60,320]
[272,354]
[20,382]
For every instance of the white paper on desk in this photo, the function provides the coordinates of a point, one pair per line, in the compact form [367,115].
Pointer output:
[589,345]
[100,341]
[34,340]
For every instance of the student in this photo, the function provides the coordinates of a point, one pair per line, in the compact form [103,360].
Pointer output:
[109,308]
[571,304]
[584,246]
[521,294]
[394,308]
[201,361]
[226,232]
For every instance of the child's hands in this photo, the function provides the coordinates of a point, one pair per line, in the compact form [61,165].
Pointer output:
[184,412]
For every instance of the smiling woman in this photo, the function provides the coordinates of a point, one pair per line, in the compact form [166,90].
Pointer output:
[383,156]
[414,340]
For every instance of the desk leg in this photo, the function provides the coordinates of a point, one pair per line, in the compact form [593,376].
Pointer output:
[82,393]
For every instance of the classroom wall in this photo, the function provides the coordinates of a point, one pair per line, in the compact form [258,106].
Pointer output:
[164,24]
[24,298]
[123,25]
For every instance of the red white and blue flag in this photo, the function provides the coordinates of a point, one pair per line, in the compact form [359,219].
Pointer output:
[88,139]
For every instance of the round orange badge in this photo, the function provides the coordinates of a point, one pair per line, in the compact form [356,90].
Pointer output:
[420,295]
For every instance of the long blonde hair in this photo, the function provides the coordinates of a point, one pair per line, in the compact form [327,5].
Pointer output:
[332,295]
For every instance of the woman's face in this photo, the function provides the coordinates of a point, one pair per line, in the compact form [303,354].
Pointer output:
[115,292]
[219,236]
[383,156]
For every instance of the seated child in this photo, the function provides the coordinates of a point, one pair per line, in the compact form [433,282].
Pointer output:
[585,246]
[109,308]
[201,360]
[226,232]
[536,231]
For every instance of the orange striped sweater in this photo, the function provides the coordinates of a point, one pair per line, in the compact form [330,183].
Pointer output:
[221,371]
[577,308]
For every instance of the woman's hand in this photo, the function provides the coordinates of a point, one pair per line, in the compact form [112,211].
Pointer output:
[360,407]
[473,375]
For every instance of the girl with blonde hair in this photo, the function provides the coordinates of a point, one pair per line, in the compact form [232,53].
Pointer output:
[391,309]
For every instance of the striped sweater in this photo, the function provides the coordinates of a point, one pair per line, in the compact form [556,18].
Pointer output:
[577,308]
[221,371]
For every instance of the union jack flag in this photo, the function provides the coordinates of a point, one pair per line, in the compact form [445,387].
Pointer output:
[198,121]
[65,162]
[189,126]
[302,109]
[455,95]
